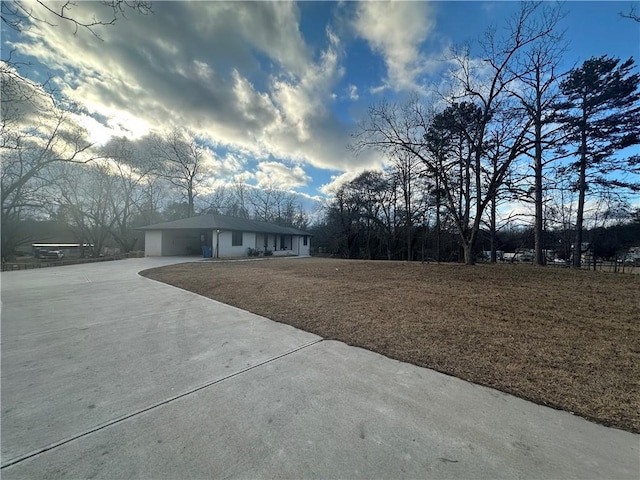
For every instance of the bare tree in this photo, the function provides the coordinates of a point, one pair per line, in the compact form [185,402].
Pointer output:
[130,173]
[183,163]
[239,205]
[484,86]
[405,169]
[270,203]
[216,201]
[493,93]
[34,135]
[367,215]
[82,201]
[631,14]
[537,91]
[560,209]
[495,152]
[263,202]
[20,14]
[365,193]
[344,212]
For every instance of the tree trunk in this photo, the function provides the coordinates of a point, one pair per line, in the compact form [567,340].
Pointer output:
[369,232]
[582,190]
[438,206]
[408,220]
[468,253]
[438,248]
[493,230]
[191,212]
[577,247]
[538,257]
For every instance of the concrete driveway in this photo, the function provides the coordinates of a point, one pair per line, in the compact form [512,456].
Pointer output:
[106,374]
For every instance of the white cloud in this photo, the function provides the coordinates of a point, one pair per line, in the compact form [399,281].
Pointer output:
[301,100]
[337,181]
[352,92]
[396,30]
[97,133]
[182,80]
[270,27]
[227,166]
[241,76]
[275,174]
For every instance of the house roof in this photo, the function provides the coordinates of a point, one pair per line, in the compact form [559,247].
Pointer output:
[224,222]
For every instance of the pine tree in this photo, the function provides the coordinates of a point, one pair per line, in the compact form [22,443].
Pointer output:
[600,111]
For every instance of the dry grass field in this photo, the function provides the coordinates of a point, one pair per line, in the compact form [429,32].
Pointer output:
[562,338]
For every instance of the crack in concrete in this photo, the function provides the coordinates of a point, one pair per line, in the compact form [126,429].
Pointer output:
[148,408]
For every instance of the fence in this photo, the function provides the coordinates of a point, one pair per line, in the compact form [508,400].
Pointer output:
[13,266]
[613,267]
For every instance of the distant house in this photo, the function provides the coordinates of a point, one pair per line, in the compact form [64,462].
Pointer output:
[223,236]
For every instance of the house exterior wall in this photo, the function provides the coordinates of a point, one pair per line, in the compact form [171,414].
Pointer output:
[274,242]
[261,238]
[228,250]
[302,248]
[271,242]
[294,244]
[153,243]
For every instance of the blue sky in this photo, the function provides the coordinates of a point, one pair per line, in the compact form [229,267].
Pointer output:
[274,89]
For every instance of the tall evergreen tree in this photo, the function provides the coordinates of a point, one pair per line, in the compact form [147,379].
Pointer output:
[600,111]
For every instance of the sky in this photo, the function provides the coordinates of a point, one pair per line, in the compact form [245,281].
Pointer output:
[274,89]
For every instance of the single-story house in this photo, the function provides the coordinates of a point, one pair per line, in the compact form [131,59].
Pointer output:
[222,236]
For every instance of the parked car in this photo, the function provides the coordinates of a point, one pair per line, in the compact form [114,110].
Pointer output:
[630,260]
[50,254]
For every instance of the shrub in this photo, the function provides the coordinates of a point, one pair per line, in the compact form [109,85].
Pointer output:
[268,253]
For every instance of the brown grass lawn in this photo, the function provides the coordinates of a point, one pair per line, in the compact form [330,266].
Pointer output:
[563,338]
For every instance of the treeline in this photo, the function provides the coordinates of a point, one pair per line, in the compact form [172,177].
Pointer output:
[52,172]
[351,233]
[505,134]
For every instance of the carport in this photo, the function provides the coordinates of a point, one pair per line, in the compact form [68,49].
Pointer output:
[187,242]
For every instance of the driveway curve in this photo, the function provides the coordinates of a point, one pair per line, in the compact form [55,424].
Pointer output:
[106,374]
